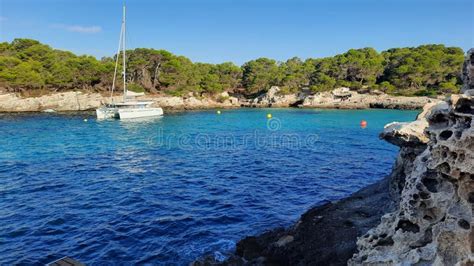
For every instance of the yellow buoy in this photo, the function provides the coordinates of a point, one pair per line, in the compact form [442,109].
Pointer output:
[218,112]
[269,116]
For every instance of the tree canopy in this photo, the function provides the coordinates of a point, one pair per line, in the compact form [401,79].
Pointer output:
[27,64]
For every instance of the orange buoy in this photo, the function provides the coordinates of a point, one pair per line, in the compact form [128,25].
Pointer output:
[363,124]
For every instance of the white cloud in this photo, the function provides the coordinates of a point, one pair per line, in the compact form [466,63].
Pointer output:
[3,18]
[78,28]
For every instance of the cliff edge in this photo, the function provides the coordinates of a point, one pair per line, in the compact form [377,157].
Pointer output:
[432,223]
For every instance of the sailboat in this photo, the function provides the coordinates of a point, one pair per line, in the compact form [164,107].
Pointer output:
[129,107]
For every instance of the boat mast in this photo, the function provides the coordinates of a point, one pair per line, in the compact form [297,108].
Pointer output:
[119,48]
[124,58]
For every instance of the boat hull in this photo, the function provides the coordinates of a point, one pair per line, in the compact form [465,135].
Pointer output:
[106,113]
[127,113]
[139,112]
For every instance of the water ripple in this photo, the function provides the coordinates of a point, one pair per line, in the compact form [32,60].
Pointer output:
[110,193]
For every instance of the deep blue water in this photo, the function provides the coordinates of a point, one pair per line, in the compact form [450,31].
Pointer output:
[168,190]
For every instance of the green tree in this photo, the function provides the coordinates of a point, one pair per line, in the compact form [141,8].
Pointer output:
[211,83]
[322,82]
[363,66]
[260,74]
[422,68]
[295,74]
[230,75]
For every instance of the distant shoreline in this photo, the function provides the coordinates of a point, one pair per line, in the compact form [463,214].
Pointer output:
[80,101]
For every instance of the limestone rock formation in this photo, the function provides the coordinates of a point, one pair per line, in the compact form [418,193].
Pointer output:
[468,72]
[433,221]
[342,98]
[347,99]
[79,101]
[274,98]
[64,101]
[410,133]
[338,98]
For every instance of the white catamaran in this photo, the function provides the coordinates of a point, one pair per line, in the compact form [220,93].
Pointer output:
[129,108]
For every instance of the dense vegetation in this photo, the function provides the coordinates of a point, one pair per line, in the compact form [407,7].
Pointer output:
[28,65]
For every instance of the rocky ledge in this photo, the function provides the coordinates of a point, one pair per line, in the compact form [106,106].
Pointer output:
[79,101]
[421,214]
[338,98]
[343,98]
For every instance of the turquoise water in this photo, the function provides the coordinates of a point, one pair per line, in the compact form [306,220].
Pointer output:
[168,190]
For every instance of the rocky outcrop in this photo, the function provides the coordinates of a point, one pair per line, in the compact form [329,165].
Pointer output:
[346,99]
[79,101]
[274,98]
[342,98]
[192,102]
[468,73]
[339,98]
[433,220]
[410,134]
[66,101]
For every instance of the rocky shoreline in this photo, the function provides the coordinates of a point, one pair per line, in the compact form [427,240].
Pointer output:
[341,98]
[421,214]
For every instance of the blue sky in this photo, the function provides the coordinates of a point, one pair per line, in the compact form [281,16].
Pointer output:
[216,31]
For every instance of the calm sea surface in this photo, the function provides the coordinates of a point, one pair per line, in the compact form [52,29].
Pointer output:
[168,190]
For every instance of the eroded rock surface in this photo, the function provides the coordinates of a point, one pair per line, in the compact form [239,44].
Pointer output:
[274,98]
[64,101]
[79,101]
[342,98]
[338,98]
[346,99]
[433,221]
[468,73]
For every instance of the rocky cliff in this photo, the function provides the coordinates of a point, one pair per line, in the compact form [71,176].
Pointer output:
[342,98]
[338,98]
[433,220]
[347,99]
[468,72]
[79,101]
[67,101]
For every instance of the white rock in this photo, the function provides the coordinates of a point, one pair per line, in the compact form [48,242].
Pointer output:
[433,222]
